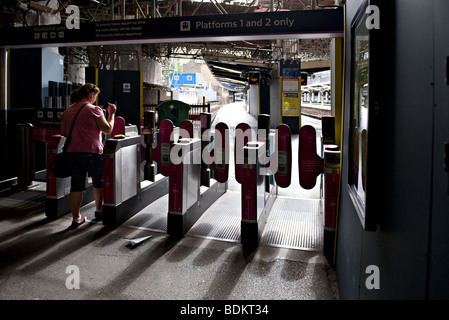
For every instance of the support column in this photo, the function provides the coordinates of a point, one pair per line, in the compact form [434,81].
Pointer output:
[3,107]
[337,87]
[4,78]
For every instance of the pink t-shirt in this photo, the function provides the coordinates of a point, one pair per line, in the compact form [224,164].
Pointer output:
[86,136]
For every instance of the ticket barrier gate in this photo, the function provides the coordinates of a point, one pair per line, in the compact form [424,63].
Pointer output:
[124,191]
[58,189]
[265,167]
[310,166]
[192,191]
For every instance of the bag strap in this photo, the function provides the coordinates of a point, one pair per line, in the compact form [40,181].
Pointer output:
[69,136]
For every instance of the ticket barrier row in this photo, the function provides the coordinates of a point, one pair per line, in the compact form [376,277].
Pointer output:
[265,166]
[191,188]
[177,159]
[262,165]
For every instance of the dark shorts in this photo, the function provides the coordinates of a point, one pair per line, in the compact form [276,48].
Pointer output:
[83,163]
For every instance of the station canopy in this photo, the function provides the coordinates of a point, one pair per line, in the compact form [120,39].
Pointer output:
[231,59]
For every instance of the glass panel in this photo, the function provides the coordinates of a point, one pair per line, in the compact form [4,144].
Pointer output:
[359,114]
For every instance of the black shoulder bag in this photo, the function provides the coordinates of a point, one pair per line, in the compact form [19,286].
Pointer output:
[60,165]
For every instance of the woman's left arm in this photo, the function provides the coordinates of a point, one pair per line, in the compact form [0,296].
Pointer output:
[62,129]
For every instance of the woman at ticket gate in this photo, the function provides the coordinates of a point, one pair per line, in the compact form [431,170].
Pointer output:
[86,148]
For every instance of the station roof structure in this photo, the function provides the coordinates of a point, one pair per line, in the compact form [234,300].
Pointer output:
[228,60]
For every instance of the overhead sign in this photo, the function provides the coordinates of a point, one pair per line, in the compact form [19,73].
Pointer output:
[314,23]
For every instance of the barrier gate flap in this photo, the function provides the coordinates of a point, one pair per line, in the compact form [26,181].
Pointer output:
[242,136]
[119,127]
[186,129]
[283,175]
[310,164]
[162,151]
[221,153]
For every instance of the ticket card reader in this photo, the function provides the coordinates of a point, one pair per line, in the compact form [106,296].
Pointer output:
[58,189]
[121,160]
[124,192]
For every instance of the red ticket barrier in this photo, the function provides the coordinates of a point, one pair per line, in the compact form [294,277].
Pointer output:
[175,188]
[331,195]
[161,154]
[242,136]
[184,186]
[221,153]
[254,212]
[54,143]
[310,164]
[283,175]
[252,182]
[184,178]
[331,185]
[249,194]
[108,179]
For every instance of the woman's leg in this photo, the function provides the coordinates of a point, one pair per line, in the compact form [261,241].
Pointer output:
[96,172]
[78,183]
[98,196]
[76,197]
